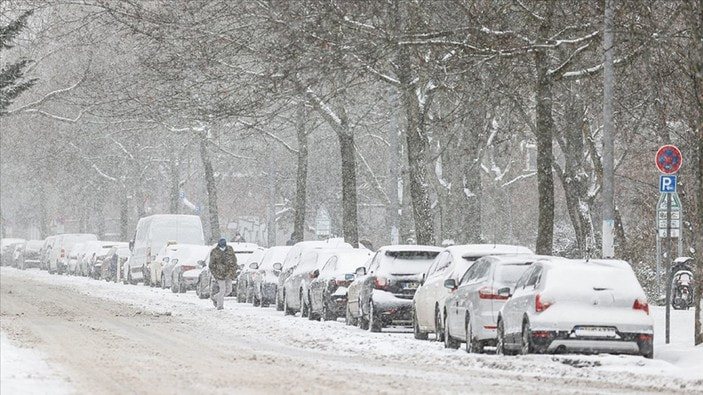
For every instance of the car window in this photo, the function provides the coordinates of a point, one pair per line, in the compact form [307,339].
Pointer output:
[375,262]
[482,271]
[330,265]
[438,262]
[467,276]
[523,279]
[443,262]
[534,277]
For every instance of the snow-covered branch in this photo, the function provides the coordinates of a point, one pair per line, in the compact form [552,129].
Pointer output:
[31,107]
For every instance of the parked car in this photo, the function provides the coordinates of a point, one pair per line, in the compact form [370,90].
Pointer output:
[451,263]
[7,248]
[113,262]
[93,255]
[46,251]
[71,260]
[382,294]
[242,251]
[31,254]
[157,264]
[152,233]
[576,306]
[245,279]
[16,254]
[265,279]
[328,289]
[471,309]
[293,259]
[189,257]
[58,260]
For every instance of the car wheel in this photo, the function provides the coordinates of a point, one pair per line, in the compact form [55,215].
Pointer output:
[303,307]
[163,281]
[375,324]
[500,341]
[286,310]
[449,342]
[526,339]
[181,285]
[130,279]
[363,322]
[438,332]
[417,333]
[472,345]
[279,303]
[311,315]
[174,285]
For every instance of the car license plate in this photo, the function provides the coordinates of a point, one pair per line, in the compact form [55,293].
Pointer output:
[410,285]
[595,331]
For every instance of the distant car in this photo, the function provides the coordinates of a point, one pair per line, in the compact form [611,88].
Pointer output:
[576,306]
[471,310]
[328,289]
[187,257]
[31,254]
[383,295]
[242,251]
[293,259]
[58,259]
[93,255]
[46,251]
[7,249]
[451,263]
[158,262]
[245,279]
[113,262]
[73,257]
[265,279]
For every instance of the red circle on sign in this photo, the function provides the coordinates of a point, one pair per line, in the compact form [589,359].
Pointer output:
[669,159]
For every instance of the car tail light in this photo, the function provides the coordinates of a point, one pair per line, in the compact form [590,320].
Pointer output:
[490,293]
[641,305]
[645,338]
[63,253]
[148,255]
[380,282]
[186,268]
[342,282]
[539,305]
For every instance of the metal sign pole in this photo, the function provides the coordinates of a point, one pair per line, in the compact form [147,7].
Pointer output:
[668,266]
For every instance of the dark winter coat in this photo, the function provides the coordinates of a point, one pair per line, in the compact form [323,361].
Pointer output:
[223,264]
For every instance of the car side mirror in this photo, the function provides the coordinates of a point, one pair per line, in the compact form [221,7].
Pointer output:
[315,274]
[166,259]
[422,280]
[277,266]
[505,292]
[450,283]
[201,263]
[253,265]
[360,271]
[131,245]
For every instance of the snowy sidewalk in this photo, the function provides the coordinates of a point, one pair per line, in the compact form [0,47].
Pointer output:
[26,371]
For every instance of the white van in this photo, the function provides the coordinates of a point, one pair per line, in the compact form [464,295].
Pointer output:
[154,232]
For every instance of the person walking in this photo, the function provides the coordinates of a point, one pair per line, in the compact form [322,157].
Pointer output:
[223,267]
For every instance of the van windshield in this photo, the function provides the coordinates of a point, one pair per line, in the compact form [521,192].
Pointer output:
[184,234]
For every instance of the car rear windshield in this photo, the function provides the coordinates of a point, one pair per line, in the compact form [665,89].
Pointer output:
[588,277]
[509,274]
[413,255]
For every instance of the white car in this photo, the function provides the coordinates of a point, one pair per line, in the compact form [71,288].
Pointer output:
[577,306]
[471,310]
[74,256]
[451,263]
[187,258]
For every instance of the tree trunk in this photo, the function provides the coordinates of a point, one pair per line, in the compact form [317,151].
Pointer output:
[174,196]
[349,201]
[302,176]
[211,190]
[43,215]
[545,126]
[124,216]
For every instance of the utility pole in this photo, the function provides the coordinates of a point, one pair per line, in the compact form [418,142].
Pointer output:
[608,134]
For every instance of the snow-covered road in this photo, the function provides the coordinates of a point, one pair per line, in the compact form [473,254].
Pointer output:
[97,337]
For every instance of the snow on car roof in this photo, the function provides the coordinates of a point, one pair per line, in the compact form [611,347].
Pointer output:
[244,247]
[479,250]
[410,247]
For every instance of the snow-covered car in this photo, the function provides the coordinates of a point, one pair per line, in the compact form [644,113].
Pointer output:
[293,259]
[7,248]
[61,248]
[265,279]
[245,279]
[113,262]
[187,257]
[242,251]
[382,294]
[73,257]
[576,306]
[471,310]
[451,263]
[46,251]
[296,286]
[328,289]
[157,264]
[94,254]
[31,254]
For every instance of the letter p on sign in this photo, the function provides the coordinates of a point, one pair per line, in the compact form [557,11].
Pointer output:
[667,184]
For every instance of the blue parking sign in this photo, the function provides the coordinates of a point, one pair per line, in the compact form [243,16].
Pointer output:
[667,184]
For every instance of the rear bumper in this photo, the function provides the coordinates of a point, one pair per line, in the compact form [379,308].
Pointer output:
[394,310]
[563,341]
